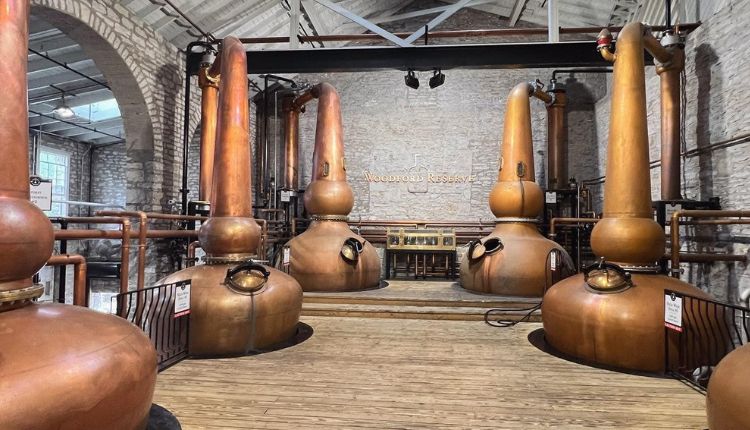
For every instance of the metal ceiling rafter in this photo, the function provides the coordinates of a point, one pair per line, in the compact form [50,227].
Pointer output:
[294,15]
[515,13]
[622,10]
[437,20]
[230,26]
[365,23]
[430,11]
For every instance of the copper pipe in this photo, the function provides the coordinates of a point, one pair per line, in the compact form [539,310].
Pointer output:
[14,132]
[171,234]
[674,229]
[142,229]
[328,193]
[192,246]
[627,233]
[516,194]
[555,221]
[231,230]
[80,294]
[540,94]
[84,234]
[123,235]
[669,74]
[210,91]
[557,141]
[174,217]
[291,143]
[450,34]
[653,46]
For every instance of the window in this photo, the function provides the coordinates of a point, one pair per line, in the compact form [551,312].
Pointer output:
[55,166]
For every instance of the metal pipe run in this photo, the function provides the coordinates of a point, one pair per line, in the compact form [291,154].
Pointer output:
[123,235]
[556,221]
[80,293]
[192,246]
[142,228]
[674,230]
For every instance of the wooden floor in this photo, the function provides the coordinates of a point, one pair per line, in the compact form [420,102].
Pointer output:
[412,299]
[419,374]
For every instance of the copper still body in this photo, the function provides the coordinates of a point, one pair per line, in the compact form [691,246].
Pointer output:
[61,366]
[613,313]
[512,260]
[237,305]
[727,392]
[328,256]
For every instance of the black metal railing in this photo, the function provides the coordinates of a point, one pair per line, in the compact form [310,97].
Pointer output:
[709,331]
[153,310]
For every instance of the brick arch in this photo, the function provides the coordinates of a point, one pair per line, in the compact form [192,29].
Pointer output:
[100,47]
[145,73]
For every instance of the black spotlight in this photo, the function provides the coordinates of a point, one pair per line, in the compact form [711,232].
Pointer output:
[437,79]
[411,80]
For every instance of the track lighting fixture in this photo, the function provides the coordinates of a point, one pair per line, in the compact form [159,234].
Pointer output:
[437,79]
[411,80]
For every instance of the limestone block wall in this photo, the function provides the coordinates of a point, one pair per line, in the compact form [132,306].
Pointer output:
[451,134]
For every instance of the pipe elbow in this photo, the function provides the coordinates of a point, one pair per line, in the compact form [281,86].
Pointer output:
[324,92]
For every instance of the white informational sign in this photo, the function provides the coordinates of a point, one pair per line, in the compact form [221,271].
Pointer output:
[285,195]
[553,261]
[286,255]
[673,312]
[550,197]
[41,193]
[182,300]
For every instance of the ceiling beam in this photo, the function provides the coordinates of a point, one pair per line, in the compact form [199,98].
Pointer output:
[515,13]
[361,59]
[430,11]
[447,13]
[365,23]
[294,15]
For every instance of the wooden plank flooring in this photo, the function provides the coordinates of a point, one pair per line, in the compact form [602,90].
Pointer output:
[419,374]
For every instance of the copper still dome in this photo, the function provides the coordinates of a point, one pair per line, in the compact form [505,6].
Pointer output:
[727,392]
[613,313]
[237,305]
[329,256]
[513,259]
[61,366]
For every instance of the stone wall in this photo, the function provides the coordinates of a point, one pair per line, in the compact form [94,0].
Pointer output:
[454,129]
[716,76]
[146,74]
[109,182]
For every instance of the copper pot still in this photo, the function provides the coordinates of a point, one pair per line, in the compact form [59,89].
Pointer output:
[62,367]
[513,260]
[329,256]
[727,392]
[613,313]
[237,305]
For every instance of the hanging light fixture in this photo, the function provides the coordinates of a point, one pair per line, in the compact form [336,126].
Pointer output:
[411,80]
[437,79]
[62,110]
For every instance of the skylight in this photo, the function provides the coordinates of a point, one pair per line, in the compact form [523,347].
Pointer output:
[99,111]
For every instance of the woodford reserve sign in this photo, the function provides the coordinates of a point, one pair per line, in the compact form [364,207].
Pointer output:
[420,177]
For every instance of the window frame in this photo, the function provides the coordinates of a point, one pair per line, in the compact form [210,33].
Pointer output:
[66,195]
